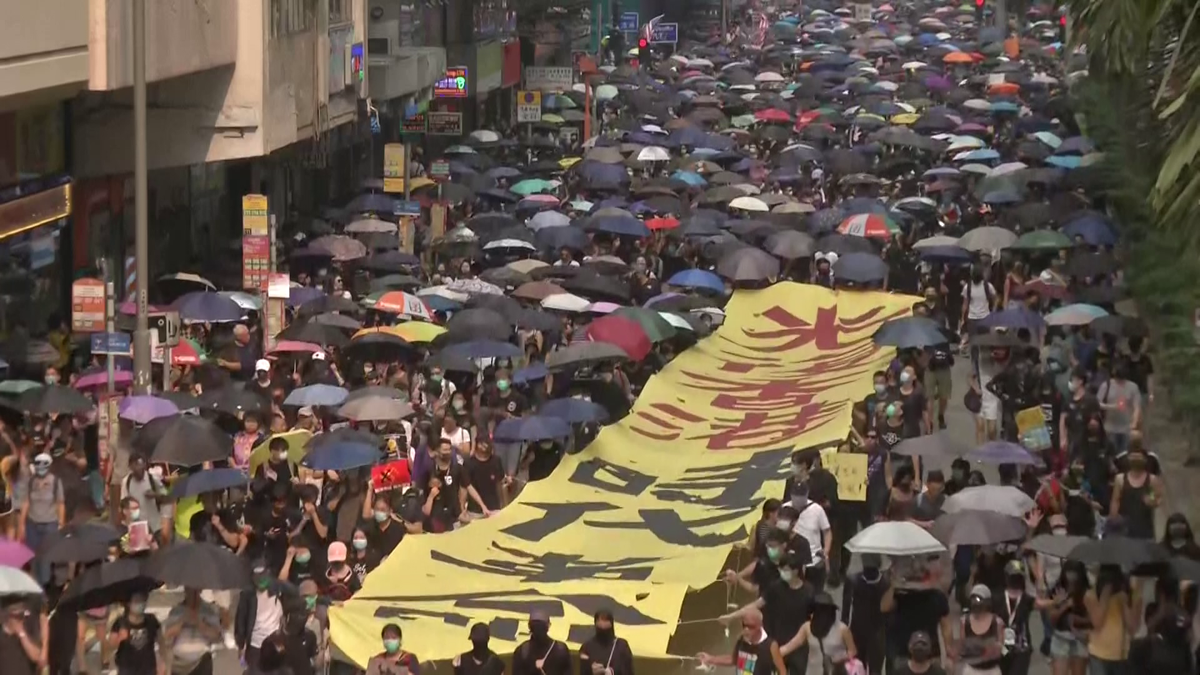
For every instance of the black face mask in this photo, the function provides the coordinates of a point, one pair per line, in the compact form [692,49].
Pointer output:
[605,635]
[539,631]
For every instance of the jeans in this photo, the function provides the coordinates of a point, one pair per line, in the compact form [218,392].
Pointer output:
[1120,440]
[36,535]
[1102,667]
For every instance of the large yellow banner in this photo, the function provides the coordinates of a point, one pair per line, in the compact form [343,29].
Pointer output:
[650,509]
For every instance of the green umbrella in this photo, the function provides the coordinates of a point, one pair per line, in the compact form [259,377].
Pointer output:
[606,92]
[656,327]
[531,186]
[14,387]
[1042,240]
[743,121]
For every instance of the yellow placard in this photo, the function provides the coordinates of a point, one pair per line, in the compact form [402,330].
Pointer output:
[393,167]
[406,233]
[255,216]
[1032,429]
[653,507]
[850,469]
[437,221]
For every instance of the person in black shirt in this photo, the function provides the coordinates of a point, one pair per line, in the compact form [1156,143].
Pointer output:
[363,559]
[300,643]
[910,611]
[862,594]
[959,470]
[920,659]
[938,379]
[541,654]
[274,526]
[485,480]
[314,520]
[787,605]
[755,653]
[215,525]
[542,458]
[276,470]
[1141,368]
[605,653]
[446,493]
[480,660]
[881,395]
[387,532]
[135,635]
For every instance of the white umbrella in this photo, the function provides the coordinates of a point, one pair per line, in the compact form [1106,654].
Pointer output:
[749,204]
[987,239]
[977,104]
[963,142]
[768,76]
[938,240]
[677,321]
[606,92]
[484,136]
[1008,168]
[700,63]
[444,292]
[546,219]
[654,129]
[748,189]
[896,538]
[981,169]
[913,65]
[653,153]
[366,225]
[15,582]
[1002,499]
[474,286]
[244,300]
[565,302]
[509,243]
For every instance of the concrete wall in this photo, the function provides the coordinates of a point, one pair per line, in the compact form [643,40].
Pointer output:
[43,50]
[182,37]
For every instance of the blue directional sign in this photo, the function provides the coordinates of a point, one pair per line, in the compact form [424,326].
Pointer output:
[665,33]
[629,22]
[406,208]
[118,344]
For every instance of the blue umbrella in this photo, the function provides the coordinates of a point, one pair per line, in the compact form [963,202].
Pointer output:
[372,202]
[532,373]
[317,394]
[861,206]
[697,279]
[206,306]
[1065,161]
[533,428]
[598,171]
[688,136]
[440,303]
[618,225]
[717,142]
[556,238]
[502,195]
[574,410]
[980,155]
[1093,227]
[482,349]
[692,178]
[1014,319]
[209,480]
[823,221]
[341,456]
[298,295]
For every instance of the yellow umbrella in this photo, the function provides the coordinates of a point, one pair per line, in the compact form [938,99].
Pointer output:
[905,118]
[568,162]
[416,331]
[551,118]
[295,441]
[420,182]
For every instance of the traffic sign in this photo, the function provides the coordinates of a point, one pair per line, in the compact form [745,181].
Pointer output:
[529,107]
[406,208]
[88,302]
[629,22]
[665,33]
[117,344]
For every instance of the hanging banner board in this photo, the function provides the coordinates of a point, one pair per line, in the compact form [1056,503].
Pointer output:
[393,167]
[87,306]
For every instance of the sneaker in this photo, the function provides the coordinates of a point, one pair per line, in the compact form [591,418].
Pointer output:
[230,642]
[941,421]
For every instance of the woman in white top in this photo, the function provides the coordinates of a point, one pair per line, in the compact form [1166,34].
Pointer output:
[828,640]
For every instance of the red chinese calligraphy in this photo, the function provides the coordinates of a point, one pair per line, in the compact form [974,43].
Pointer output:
[825,333]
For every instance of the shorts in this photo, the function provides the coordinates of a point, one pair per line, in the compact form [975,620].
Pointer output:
[938,383]
[222,599]
[1065,645]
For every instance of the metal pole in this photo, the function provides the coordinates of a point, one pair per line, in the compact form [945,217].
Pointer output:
[724,20]
[110,327]
[141,336]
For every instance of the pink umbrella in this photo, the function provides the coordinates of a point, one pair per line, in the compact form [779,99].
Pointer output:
[287,346]
[549,199]
[14,554]
[122,378]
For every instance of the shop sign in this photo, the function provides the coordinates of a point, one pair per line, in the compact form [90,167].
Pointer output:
[406,207]
[489,66]
[437,220]
[510,73]
[529,107]
[549,78]
[393,167]
[453,85]
[445,123]
[439,169]
[862,11]
[406,232]
[88,305]
[256,261]
[255,216]
[279,285]
[117,344]
[39,208]
[629,22]
[413,124]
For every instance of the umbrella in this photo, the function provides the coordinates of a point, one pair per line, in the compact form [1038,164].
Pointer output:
[107,583]
[1042,240]
[1119,550]
[207,307]
[208,480]
[977,528]
[14,553]
[861,268]
[574,410]
[987,239]
[622,332]
[870,225]
[532,428]
[938,444]
[1124,326]
[789,245]
[53,399]
[655,326]
[1078,314]
[748,264]
[316,395]
[15,582]
[15,387]
[198,565]
[909,333]
[234,400]
[1055,545]
[296,441]
[1001,452]
[897,538]
[85,542]
[375,408]
[315,333]
[142,409]
[479,323]
[697,279]
[583,354]
[1003,499]
[189,440]
[342,456]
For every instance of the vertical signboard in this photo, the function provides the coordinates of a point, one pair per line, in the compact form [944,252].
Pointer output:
[87,306]
[393,167]
[256,242]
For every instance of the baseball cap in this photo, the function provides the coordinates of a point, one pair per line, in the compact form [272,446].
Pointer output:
[305,411]
[337,552]
[318,356]
[262,364]
[42,459]
[1014,568]
[981,591]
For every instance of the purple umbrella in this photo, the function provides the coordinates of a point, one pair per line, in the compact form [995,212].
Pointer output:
[99,378]
[1014,319]
[938,83]
[302,294]
[1001,452]
[142,409]
[14,554]
[207,306]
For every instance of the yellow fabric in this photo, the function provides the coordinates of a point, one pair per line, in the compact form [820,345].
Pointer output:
[652,508]
[184,510]
[1111,641]
[296,451]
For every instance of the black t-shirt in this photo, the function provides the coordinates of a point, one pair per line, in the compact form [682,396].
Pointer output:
[485,476]
[786,609]
[300,649]
[446,507]
[913,405]
[203,530]
[1077,412]
[1140,370]
[751,659]
[135,655]
[365,565]
[383,541]
[13,655]
[556,659]
[940,357]
[917,610]
[512,405]
[934,669]
[467,665]
[545,460]
[1015,615]
[272,530]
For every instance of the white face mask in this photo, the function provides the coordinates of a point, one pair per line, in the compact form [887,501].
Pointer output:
[783,524]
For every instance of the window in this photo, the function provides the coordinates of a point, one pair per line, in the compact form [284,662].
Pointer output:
[378,46]
[289,17]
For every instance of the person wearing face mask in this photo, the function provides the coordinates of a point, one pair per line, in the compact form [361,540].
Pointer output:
[259,614]
[135,634]
[301,644]
[754,653]
[605,653]
[191,629]
[1137,493]
[979,299]
[829,642]
[277,469]
[785,604]
[1121,401]
[920,659]
[386,533]
[393,660]
[261,382]
[1017,606]
[1079,407]
[480,659]
[541,458]
[298,565]
[485,481]
[982,640]
[42,511]
[862,594]
[339,582]
[362,558]
[1179,539]
[541,654]
[147,489]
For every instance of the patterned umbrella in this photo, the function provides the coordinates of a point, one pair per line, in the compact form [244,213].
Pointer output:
[869,225]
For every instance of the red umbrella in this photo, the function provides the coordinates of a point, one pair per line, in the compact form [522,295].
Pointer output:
[773,115]
[662,223]
[622,332]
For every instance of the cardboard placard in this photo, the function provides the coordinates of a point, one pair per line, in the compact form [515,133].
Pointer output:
[437,221]
[394,157]
[390,476]
[1032,429]
[850,469]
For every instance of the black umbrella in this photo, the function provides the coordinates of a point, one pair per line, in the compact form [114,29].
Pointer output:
[910,332]
[977,528]
[328,303]
[392,261]
[583,354]
[234,400]
[860,268]
[1091,265]
[748,264]
[189,440]
[53,399]
[199,565]
[343,435]
[106,584]
[337,321]
[504,305]
[209,480]
[940,444]
[1119,550]
[1121,326]
[595,286]
[316,333]
[480,323]
[85,542]
[375,390]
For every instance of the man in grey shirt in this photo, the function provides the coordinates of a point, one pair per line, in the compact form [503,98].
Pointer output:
[1121,401]
[43,509]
